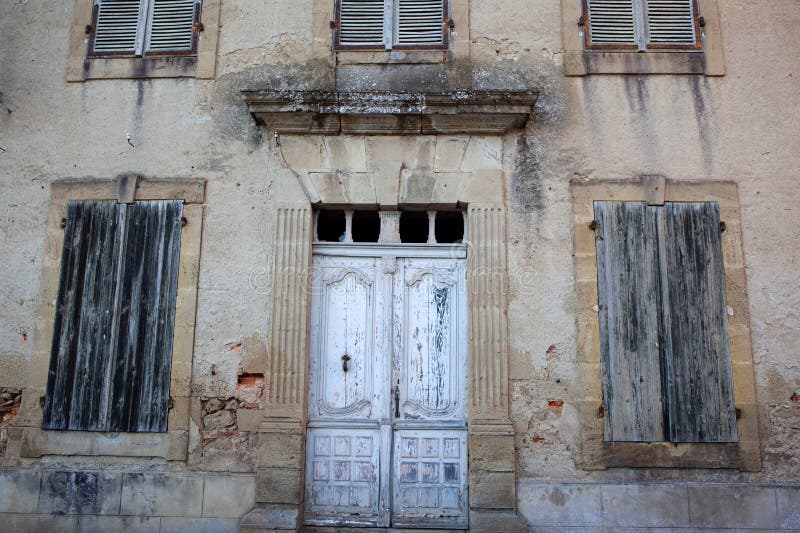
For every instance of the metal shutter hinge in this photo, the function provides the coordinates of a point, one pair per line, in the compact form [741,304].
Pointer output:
[451,23]
[581,21]
[41,401]
[593,225]
[63,223]
[184,222]
[333,25]
[199,26]
[171,403]
[702,22]
[601,411]
[88,29]
[722,227]
[738,413]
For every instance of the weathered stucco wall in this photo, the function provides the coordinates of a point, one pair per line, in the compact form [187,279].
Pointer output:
[743,127]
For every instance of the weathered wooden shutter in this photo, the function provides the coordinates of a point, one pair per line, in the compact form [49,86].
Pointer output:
[611,23]
[361,23]
[420,22]
[664,341]
[112,343]
[697,360]
[172,25]
[118,27]
[670,23]
[628,286]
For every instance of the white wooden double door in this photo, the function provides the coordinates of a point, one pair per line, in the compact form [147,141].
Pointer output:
[387,439]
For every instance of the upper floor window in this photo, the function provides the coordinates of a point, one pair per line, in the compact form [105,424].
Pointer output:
[642,25]
[391,24]
[144,27]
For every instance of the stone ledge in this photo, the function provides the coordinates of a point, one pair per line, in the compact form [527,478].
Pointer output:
[390,113]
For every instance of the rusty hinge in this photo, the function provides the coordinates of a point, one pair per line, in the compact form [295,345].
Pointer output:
[63,223]
[601,411]
[199,26]
[88,29]
[702,22]
[722,227]
[738,413]
[593,225]
[41,402]
[184,222]
[171,403]
[334,25]
[581,21]
[451,23]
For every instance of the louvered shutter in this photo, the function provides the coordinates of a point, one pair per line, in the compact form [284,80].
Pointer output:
[628,285]
[697,360]
[362,23]
[114,323]
[172,25]
[118,27]
[611,23]
[420,22]
[670,23]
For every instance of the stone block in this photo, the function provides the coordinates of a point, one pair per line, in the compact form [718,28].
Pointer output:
[447,188]
[305,152]
[788,507]
[280,450]
[279,485]
[346,153]
[449,153]
[270,518]
[491,452]
[359,188]
[129,524]
[36,523]
[505,521]
[484,187]
[417,187]
[387,182]
[561,505]
[93,493]
[655,188]
[19,491]
[36,443]
[646,505]
[414,152]
[492,490]
[199,525]
[719,506]
[483,153]
[248,419]
[228,496]
[329,188]
[162,495]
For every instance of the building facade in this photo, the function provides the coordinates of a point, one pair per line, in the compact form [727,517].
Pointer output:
[442,264]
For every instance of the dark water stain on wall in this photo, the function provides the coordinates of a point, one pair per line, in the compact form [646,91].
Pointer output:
[525,190]
[705,117]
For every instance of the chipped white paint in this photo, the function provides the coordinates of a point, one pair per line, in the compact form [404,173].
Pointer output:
[387,367]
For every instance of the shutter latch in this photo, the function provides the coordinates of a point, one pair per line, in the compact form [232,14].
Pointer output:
[702,22]
[334,25]
[581,21]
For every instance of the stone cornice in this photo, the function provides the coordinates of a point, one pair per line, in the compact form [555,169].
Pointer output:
[390,113]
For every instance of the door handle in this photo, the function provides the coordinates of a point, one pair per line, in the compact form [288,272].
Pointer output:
[397,400]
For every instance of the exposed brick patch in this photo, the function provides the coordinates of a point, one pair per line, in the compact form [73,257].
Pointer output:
[10,400]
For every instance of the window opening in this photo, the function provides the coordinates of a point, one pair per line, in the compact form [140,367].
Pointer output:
[331,225]
[414,227]
[449,227]
[366,226]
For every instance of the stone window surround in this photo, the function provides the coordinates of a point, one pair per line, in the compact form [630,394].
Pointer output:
[596,454]
[458,49]
[172,445]
[80,67]
[578,61]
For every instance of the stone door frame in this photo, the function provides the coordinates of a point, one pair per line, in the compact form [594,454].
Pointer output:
[279,478]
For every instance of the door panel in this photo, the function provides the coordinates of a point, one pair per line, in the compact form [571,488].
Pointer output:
[430,472]
[387,439]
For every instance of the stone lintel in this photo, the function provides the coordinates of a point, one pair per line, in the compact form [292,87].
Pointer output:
[390,113]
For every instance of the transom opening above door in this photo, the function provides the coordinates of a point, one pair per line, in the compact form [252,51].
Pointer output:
[391,227]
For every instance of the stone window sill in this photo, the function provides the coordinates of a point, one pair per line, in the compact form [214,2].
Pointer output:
[390,57]
[95,68]
[584,62]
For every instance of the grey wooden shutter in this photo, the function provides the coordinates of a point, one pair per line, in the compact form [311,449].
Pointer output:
[611,23]
[361,23]
[172,25]
[112,343]
[670,23]
[697,361]
[82,349]
[420,22]
[119,26]
[628,281]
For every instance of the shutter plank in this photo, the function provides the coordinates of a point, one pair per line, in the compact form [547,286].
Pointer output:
[420,22]
[83,333]
[149,283]
[627,276]
[118,26]
[671,23]
[697,363]
[611,22]
[361,23]
[172,26]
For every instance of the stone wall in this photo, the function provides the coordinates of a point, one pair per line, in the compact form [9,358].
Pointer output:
[742,127]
